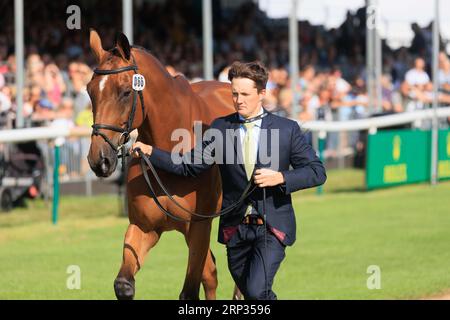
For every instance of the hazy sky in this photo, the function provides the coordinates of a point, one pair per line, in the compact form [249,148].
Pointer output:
[396,15]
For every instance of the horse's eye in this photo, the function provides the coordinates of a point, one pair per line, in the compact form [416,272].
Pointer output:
[126,93]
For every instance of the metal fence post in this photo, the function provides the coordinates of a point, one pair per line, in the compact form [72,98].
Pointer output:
[322,140]
[55,184]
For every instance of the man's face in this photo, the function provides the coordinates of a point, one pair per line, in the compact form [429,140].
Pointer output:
[247,100]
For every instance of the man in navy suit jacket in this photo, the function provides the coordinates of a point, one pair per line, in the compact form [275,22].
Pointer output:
[255,247]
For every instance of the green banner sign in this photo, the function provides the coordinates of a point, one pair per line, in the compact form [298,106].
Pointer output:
[404,156]
[444,155]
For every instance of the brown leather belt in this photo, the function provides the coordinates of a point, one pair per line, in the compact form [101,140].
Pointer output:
[253,219]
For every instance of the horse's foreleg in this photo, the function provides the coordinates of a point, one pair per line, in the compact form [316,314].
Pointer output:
[198,243]
[136,245]
[209,276]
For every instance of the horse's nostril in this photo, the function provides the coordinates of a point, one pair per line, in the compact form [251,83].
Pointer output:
[104,165]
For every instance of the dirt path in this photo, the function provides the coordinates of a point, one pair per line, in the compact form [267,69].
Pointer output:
[445,295]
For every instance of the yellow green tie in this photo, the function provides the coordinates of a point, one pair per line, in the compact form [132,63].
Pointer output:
[249,154]
[249,149]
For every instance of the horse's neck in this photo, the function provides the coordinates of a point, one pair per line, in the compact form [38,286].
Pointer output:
[167,105]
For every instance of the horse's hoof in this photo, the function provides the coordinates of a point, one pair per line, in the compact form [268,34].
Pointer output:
[124,289]
[185,296]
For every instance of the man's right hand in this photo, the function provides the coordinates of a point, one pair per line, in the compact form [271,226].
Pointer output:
[145,148]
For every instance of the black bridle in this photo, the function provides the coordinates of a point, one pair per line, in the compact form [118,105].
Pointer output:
[124,132]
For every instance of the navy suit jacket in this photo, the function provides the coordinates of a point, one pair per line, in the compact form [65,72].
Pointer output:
[307,171]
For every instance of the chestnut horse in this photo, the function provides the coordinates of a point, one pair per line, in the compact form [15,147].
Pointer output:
[166,103]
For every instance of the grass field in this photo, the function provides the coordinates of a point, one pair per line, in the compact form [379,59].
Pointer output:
[405,231]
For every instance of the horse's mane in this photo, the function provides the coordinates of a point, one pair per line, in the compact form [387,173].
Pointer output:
[155,59]
[115,51]
[142,48]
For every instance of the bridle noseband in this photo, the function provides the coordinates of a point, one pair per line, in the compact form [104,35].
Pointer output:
[125,132]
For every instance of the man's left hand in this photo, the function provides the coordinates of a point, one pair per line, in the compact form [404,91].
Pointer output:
[268,178]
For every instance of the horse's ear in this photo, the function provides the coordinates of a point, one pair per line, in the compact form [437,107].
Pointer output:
[96,45]
[123,46]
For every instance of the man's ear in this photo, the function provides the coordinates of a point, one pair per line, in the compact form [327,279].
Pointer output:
[123,46]
[262,93]
[96,45]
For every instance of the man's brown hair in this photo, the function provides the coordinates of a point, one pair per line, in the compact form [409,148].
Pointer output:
[251,70]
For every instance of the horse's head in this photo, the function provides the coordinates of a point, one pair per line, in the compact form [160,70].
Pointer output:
[114,103]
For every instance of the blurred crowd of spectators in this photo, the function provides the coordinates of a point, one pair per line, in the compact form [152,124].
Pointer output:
[332,80]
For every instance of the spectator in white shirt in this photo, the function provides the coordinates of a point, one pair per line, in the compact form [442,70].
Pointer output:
[417,76]
[444,72]
[417,86]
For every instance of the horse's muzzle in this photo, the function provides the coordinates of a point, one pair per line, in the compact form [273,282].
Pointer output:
[104,165]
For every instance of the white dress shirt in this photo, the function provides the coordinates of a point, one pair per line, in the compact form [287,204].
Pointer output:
[255,132]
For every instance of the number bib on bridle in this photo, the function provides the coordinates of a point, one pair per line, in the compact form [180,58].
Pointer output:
[138,82]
